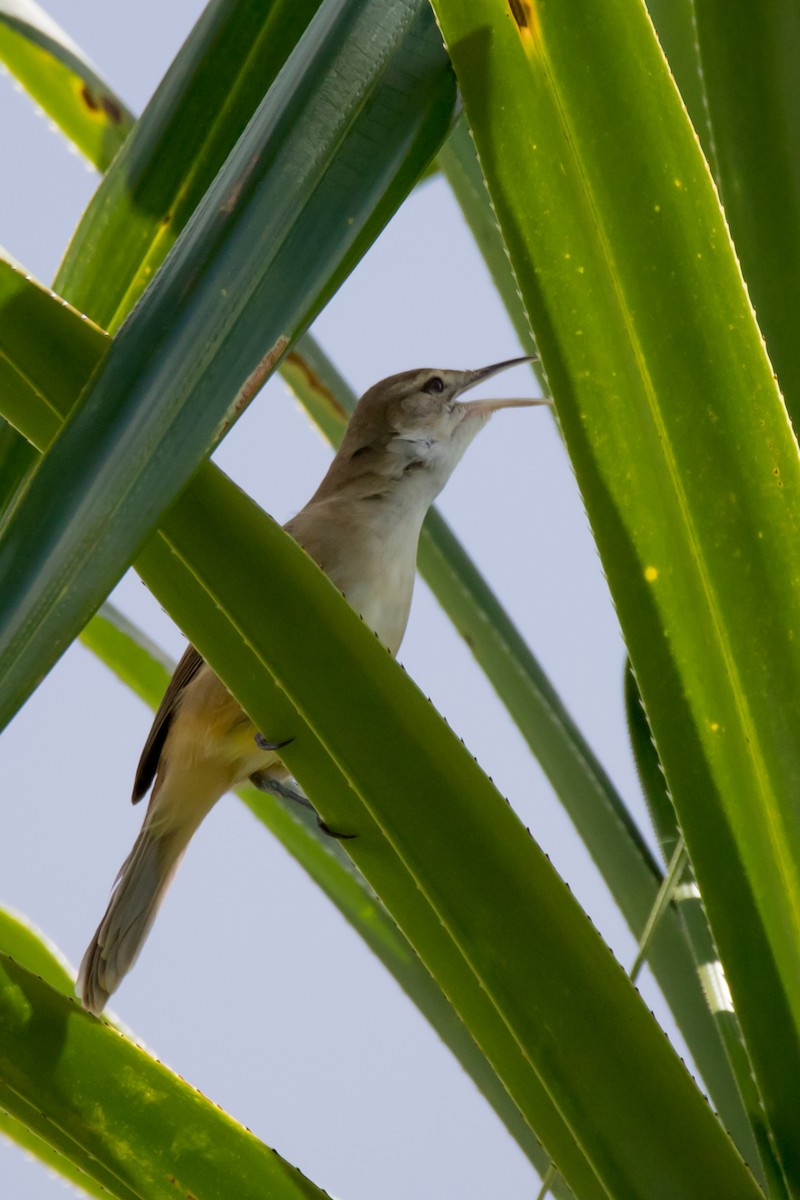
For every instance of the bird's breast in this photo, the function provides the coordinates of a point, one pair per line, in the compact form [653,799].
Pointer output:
[382,596]
[368,548]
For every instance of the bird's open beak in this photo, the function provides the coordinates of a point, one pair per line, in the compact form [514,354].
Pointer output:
[485,407]
[490,406]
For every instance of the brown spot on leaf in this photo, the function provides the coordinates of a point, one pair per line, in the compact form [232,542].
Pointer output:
[253,384]
[232,199]
[256,378]
[527,21]
[88,99]
[111,109]
[314,382]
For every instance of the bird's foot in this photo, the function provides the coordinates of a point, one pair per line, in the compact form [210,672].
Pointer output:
[340,837]
[263,744]
[264,783]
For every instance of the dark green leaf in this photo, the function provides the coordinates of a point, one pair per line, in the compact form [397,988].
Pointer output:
[134,659]
[359,110]
[578,778]
[746,1125]
[17,460]
[446,957]
[46,359]
[192,123]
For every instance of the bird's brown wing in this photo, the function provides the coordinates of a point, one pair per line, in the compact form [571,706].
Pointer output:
[185,672]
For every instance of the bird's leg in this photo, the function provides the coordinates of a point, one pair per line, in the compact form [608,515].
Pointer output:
[340,837]
[275,788]
[265,783]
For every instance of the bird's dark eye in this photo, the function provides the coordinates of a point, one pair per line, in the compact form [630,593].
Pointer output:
[435,385]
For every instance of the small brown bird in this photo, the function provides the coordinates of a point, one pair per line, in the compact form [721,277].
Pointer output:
[362,525]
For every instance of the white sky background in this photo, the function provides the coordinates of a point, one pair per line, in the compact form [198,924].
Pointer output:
[252,986]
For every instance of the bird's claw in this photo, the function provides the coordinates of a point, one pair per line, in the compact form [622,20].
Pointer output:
[263,744]
[340,837]
[264,783]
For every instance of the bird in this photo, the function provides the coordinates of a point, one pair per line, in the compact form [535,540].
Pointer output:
[405,437]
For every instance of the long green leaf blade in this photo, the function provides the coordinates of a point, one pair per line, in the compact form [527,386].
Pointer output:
[501,651]
[144,1133]
[199,110]
[62,81]
[736,65]
[27,946]
[686,459]
[369,88]
[17,459]
[106,269]
[142,667]
[524,941]
[452,967]
[21,942]
[46,358]
[755,1145]
[569,763]
[593,808]
[178,570]
[123,649]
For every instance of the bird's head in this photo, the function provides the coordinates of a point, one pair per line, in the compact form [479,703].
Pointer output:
[415,426]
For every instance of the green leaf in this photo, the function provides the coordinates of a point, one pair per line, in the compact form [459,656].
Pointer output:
[576,775]
[130,655]
[46,359]
[688,903]
[16,1131]
[17,459]
[682,449]
[179,578]
[106,1105]
[210,92]
[519,962]
[62,81]
[736,68]
[675,25]
[596,811]
[454,971]
[334,148]
[134,659]
[28,946]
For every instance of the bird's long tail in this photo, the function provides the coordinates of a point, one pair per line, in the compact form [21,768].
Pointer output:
[139,889]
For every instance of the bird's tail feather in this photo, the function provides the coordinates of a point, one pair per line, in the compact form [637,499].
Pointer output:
[139,889]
